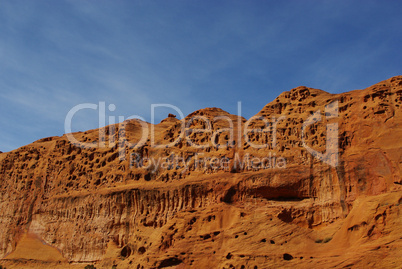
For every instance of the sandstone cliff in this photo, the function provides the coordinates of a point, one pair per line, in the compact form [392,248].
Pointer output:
[277,199]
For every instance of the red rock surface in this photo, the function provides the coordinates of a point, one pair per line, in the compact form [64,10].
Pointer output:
[64,206]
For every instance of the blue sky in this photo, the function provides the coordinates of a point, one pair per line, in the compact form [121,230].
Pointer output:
[191,54]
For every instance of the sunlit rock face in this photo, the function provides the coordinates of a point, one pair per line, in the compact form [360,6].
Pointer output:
[315,180]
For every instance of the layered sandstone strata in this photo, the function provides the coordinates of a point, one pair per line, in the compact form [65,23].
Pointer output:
[220,197]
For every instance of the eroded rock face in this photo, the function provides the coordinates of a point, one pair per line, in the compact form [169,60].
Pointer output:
[267,202]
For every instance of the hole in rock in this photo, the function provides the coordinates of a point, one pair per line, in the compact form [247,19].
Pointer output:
[170,262]
[287,257]
[141,250]
[126,251]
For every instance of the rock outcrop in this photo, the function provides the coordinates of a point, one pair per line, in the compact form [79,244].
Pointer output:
[311,175]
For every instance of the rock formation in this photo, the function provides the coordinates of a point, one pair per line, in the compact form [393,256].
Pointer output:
[315,180]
